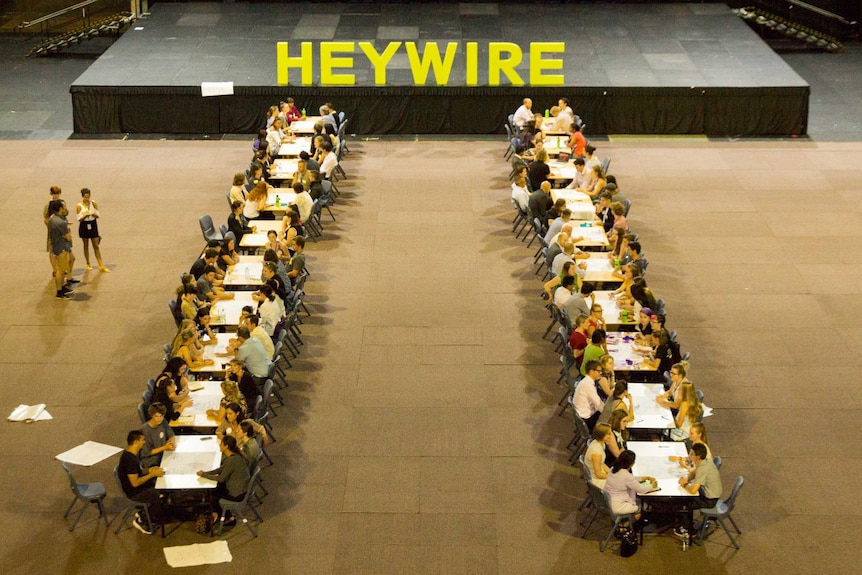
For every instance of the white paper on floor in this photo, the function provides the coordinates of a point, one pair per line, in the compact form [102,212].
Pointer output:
[198,554]
[30,413]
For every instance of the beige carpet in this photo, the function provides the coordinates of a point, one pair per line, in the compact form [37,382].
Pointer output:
[421,434]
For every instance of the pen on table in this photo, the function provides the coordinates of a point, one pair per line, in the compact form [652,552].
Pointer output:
[663,446]
[638,421]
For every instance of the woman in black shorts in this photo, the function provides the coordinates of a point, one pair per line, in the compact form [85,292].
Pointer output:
[88,228]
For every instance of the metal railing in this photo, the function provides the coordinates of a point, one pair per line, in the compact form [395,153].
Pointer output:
[81,5]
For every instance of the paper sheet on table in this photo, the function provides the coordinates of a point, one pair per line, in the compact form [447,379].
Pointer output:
[198,554]
[216,89]
[89,453]
[707,411]
[30,413]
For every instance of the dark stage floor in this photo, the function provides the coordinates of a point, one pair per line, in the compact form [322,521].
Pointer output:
[633,69]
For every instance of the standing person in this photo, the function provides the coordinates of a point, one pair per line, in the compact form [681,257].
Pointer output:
[138,483]
[88,228]
[61,247]
[55,192]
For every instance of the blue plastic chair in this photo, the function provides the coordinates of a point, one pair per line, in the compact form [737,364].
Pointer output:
[86,493]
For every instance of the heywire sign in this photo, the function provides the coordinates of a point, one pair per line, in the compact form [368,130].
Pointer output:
[432,67]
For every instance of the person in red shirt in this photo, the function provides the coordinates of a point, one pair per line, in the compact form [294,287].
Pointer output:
[578,339]
[577,142]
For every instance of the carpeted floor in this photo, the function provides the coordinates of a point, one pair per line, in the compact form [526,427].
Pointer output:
[421,434]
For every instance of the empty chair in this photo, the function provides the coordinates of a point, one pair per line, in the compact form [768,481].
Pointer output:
[142,412]
[86,493]
[223,229]
[237,507]
[717,461]
[510,149]
[342,135]
[131,505]
[606,164]
[722,511]
[172,305]
[209,230]
[699,395]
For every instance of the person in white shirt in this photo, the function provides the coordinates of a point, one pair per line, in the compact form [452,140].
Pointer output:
[581,175]
[275,136]
[588,405]
[259,333]
[520,195]
[564,292]
[303,202]
[557,225]
[327,159]
[590,157]
[524,114]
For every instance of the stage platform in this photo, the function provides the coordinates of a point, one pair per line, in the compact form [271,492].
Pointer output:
[628,69]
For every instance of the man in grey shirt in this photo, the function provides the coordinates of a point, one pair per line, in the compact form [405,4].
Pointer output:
[158,436]
[704,480]
[61,247]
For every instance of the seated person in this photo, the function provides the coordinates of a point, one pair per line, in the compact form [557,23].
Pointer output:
[604,213]
[232,477]
[237,222]
[255,202]
[237,190]
[297,262]
[595,350]
[520,195]
[138,483]
[301,176]
[328,161]
[158,436]
[586,401]
[202,323]
[228,256]
[280,271]
[172,389]
[259,333]
[316,189]
[231,395]
[184,347]
[595,455]
[622,487]
[703,480]
[303,202]
[247,387]
[207,290]
[209,258]
[291,227]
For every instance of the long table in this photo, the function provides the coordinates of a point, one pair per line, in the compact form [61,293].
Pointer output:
[206,395]
[593,233]
[193,453]
[227,312]
[652,460]
[621,346]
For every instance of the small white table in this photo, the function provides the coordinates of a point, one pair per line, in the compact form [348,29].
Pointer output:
[621,346]
[610,310]
[245,273]
[207,395]
[227,312]
[212,351]
[283,169]
[648,413]
[305,126]
[296,147]
[652,460]
[599,268]
[193,453]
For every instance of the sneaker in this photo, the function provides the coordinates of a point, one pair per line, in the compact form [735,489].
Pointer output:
[139,525]
[73,281]
[66,289]
[104,270]
[63,295]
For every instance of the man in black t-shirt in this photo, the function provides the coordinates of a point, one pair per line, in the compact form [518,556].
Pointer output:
[139,484]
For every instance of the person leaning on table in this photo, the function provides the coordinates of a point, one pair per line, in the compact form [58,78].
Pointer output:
[158,436]
[139,483]
[704,481]
[622,487]
[232,476]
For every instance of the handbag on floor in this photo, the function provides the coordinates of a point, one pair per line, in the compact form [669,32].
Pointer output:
[628,543]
